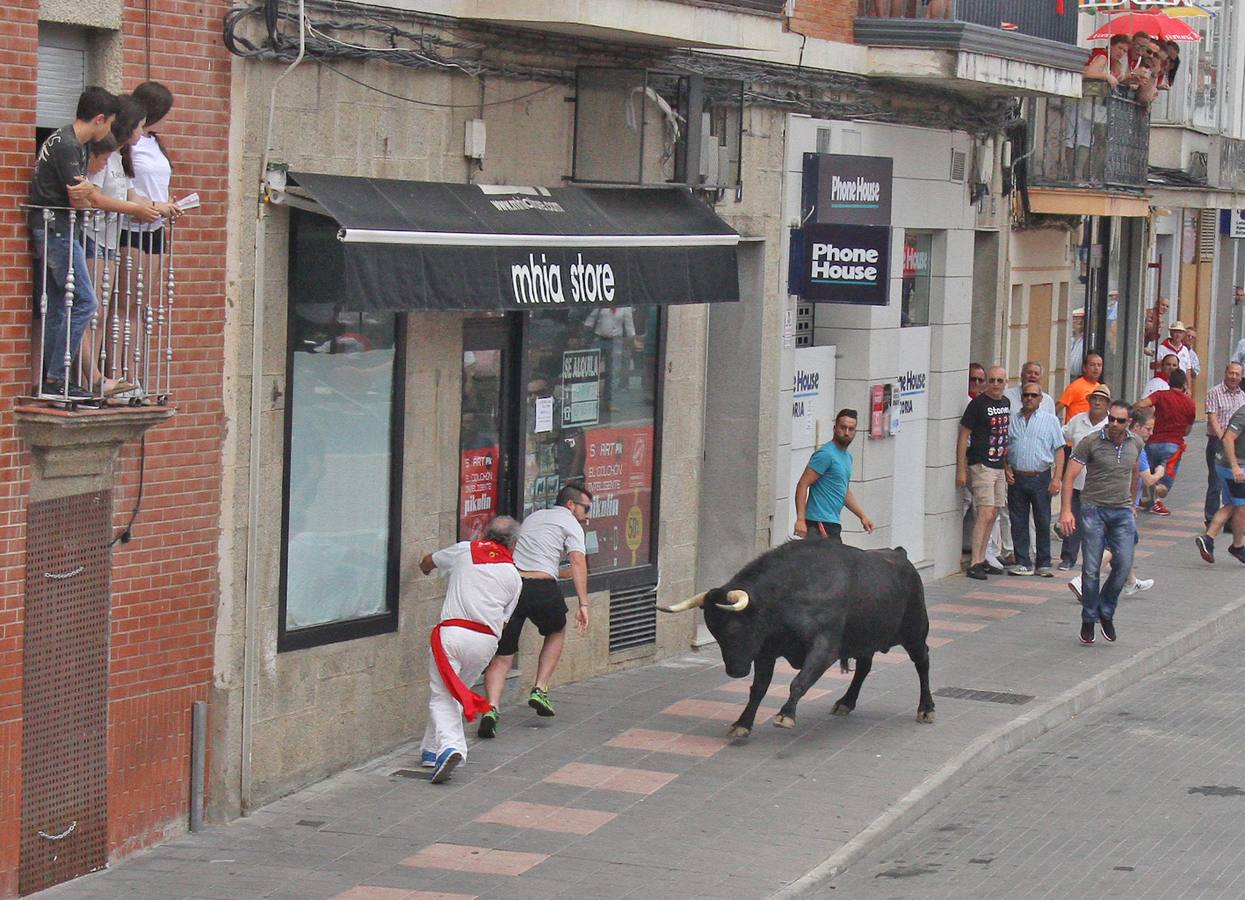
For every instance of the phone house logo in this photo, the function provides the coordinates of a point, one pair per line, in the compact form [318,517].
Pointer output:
[830,264]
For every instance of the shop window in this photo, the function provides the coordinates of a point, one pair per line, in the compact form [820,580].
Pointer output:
[342,464]
[590,413]
[917,261]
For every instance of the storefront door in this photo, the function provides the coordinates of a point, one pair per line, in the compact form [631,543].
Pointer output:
[485,434]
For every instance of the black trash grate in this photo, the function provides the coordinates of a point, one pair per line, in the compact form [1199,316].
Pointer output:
[633,617]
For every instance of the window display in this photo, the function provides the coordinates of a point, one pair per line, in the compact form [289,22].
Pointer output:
[589,418]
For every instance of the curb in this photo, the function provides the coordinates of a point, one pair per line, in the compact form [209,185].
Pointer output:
[1003,739]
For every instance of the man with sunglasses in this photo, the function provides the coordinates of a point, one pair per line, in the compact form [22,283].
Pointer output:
[546,536]
[1035,445]
[1109,459]
[980,455]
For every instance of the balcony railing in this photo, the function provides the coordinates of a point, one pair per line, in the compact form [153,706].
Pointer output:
[1030,31]
[112,283]
[1101,141]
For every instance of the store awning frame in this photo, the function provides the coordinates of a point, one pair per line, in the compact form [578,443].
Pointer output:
[406,245]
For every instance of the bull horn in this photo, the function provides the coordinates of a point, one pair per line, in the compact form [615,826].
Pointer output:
[738,601]
[690,603]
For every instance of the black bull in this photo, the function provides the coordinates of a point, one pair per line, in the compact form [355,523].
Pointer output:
[815,602]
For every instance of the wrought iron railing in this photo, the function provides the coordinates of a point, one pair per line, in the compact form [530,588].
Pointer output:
[1032,17]
[112,283]
[1100,141]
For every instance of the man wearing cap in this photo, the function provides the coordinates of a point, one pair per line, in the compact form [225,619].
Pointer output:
[483,588]
[1075,398]
[1175,343]
[1080,426]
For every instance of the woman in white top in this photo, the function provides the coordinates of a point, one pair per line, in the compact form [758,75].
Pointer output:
[151,166]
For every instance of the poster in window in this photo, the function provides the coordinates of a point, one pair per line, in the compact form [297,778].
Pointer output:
[619,473]
[477,491]
[581,387]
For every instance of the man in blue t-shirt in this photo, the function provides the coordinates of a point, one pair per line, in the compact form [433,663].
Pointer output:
[823,490]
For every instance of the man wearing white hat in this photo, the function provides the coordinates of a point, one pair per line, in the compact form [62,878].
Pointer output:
[1174,343]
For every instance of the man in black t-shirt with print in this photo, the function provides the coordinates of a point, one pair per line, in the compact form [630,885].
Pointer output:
[59,183]
[981,454]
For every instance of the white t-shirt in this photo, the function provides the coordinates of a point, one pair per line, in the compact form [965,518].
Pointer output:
[546,536]
[1013,394]
[1153,386]
[152,172]
[103,227]
[1079,426]
[483,593]
[1183,354]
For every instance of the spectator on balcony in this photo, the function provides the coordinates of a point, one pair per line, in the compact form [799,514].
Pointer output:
[152,167]
[108,170]
[1172,51]
[59,182]
[1109,64]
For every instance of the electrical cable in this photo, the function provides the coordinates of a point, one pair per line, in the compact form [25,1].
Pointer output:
[126,534]
[478,105]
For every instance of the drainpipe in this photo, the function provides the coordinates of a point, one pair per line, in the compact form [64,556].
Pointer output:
[251,602]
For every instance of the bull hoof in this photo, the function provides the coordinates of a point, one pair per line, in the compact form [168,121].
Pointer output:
[739,731]
[781,721]
[925,716]
[841,709]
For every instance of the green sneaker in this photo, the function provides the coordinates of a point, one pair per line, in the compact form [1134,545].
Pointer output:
[539,701]
[488,724]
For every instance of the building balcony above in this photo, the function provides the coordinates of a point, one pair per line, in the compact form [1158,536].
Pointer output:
[719,24]
[1088,156]
[988,47]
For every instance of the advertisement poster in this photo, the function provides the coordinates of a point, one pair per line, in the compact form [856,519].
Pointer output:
[619,472]
[477,491]
[581,387]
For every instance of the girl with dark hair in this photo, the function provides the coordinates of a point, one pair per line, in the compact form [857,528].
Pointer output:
[151,165]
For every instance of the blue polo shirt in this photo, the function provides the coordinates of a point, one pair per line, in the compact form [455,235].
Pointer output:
[826,496]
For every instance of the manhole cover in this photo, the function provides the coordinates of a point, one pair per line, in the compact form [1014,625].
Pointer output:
[959,693]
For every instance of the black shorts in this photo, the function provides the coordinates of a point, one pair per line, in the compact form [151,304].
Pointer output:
[147,241]
[541,601]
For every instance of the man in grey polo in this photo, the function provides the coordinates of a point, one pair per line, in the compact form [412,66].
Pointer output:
[1109,460]
[546,536]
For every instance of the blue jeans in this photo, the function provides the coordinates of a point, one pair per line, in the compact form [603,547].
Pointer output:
[1072,542]
[57,268]
[1030,493]
[1105,528]
[1214,484]
[1159,454]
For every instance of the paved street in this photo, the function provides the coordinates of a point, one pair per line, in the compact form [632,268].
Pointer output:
[1142,796]
[633,789]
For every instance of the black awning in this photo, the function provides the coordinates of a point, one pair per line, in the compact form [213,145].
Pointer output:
[408,245]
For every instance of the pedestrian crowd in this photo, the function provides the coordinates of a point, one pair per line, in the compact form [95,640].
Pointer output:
[1107,461]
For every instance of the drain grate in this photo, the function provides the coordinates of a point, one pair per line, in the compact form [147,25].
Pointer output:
[633,617]
[985,696]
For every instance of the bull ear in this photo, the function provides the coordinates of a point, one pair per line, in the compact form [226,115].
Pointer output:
[738,601]
[683,606]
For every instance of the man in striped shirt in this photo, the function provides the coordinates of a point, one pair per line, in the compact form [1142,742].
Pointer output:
[1222,401]
[1035,445]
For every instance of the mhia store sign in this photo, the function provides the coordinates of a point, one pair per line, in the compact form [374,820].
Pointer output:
[842,264]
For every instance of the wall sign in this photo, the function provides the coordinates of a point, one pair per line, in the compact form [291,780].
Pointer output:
[1232,222]
[847,190]
[843,264]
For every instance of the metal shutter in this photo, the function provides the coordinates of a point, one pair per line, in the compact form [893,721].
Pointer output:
[62,74]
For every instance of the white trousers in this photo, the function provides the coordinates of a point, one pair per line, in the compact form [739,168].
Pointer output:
[468,652]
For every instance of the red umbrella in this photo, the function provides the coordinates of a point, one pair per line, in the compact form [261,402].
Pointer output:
[1153,24]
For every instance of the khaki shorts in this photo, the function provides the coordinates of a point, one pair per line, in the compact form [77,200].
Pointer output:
[988,486]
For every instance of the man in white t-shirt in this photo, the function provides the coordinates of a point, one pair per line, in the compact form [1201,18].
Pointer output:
[1169,363]
[483,591]
[546,536]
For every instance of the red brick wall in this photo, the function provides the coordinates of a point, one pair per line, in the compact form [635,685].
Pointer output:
[19,38]
[165,580]
[829,20]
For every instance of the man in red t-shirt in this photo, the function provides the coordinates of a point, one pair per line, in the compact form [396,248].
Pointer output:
[1174,414]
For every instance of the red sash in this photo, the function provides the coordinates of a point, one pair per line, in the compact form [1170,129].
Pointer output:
[483,552]
[472,703]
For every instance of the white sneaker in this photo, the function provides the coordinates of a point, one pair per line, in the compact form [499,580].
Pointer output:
[1138,585]
[1075,587]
